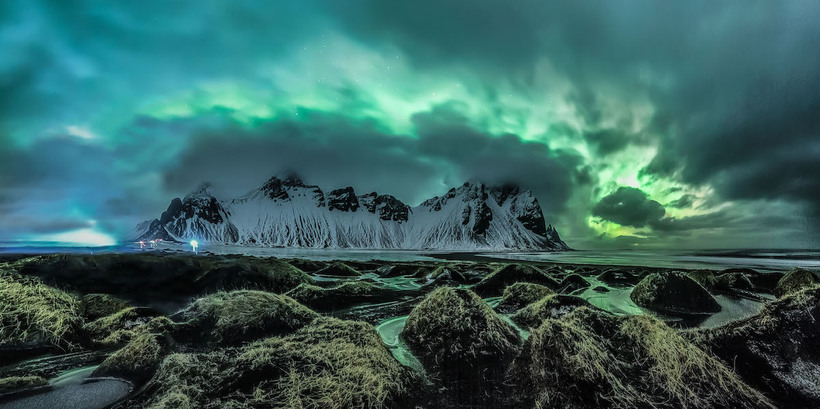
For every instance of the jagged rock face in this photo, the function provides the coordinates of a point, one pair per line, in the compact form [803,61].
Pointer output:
[387,206]
[282,189]
[197,215]
[343,199]
[290,213]
[390,208]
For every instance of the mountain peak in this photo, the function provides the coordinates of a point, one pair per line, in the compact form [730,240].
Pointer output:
[203,190]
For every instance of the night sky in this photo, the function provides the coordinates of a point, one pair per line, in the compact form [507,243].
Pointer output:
[676,124]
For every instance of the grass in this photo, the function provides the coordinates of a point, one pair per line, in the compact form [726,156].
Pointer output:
[495,283]
[520,295]
[463,344]
[550,306]
[137,360]
[329,364]
[457,325]
[794,281]
[590,358]
[32,313]
[119,327]
[674,293]
[705,278]
[230,318]
[338,268]
[100,305]
[336,297]
[14,383]
[771,350]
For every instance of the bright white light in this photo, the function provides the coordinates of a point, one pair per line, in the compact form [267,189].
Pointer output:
[82,237]
[194,244]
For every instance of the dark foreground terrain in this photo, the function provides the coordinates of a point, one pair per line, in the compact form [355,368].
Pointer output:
[155,330]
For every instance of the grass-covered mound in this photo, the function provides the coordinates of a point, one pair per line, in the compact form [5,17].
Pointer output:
[520,295]
[231,318]
[462,343]
[706,278]
[32,314]
[15,383]
[338,268]
[795,280]
[495,283]
[163,280]
[120,326]
[573,283]
[331,364]
[776,351]
[673,293]
[551,306]
[99,305]
[341,296]
[256,274]
[590,358]
[400,270]
[306,265]
[733,282]
[138,359]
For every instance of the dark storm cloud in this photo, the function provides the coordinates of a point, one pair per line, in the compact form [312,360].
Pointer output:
[684,202]
[497,159]
[607,141]
[335,151]
[629,206]
[704,221]
[734,83]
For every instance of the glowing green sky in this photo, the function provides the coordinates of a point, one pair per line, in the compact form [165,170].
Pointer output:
[636,124]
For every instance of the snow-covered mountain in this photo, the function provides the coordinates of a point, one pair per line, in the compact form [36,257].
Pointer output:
[286,212]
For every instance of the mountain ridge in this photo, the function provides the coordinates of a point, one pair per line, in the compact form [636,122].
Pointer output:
[287,212]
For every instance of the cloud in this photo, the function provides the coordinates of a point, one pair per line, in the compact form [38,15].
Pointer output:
[332,150]
[684,202]
[629,206]
[713,101]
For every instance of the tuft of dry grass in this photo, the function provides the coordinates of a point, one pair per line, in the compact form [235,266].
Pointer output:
[32,312]
[340,296]
[795,280]
[137,360]
[776,350]
[230,318]
[15,383]
[590,358]
[119,327]
[453,324]
[496,282]
[675,293]
[550,306]
[97,305]
[338,268]
[520,295]
[330,363]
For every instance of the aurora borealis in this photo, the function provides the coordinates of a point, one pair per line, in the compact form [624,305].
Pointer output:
[658,124]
